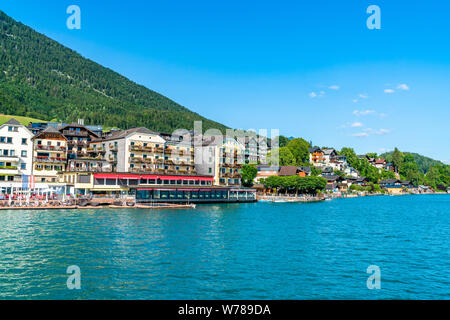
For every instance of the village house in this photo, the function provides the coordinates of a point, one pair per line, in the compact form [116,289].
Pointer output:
[395,186]
[265,172]
[16,154]
[286,171]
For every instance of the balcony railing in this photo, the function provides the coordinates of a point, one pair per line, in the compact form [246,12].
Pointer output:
[75,133]
[50,148]
[49,160]
[8,168]
[141,149]
[140,160]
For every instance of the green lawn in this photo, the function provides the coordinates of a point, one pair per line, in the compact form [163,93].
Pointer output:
[23,120]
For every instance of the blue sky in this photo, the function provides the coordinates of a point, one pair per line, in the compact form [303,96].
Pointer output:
[308,68]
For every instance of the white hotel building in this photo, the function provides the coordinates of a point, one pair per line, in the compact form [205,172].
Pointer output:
[16,154]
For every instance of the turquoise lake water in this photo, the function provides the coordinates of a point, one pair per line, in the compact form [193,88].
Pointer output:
[232,251]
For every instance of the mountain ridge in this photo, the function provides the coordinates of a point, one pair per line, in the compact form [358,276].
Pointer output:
[41,78]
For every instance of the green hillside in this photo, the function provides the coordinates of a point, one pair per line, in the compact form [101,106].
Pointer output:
[424,163]
[42,79]
[23,120]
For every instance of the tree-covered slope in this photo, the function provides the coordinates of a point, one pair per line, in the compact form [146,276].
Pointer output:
[42,79]
[423,163]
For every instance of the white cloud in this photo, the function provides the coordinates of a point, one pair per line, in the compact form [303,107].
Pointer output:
[363,112]
[363,96]
[383,115]
[360,134]
[382,131]
[357,125]
[403,87]
[313,94]
[377,132]
[334,87]
[355,100]
[389,91]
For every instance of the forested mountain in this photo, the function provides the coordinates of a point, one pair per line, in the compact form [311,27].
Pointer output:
[424,163]
[42,79]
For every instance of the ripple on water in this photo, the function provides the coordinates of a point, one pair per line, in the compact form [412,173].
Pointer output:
[247,251]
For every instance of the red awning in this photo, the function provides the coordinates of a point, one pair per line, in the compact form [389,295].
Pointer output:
[154,177]
[105,176]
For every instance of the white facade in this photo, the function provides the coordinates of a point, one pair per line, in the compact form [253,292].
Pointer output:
[16,149]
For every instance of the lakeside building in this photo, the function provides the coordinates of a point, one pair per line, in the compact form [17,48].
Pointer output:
[76,159]
[37,127]
[256,149]
[265,172]
[221,159]
[49,155]
[16,154]
[395,186]
[179,153]
[286,171]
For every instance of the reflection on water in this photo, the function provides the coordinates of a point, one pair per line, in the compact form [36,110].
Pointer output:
[232,251]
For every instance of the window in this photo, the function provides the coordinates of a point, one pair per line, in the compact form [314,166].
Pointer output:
[58,144]
[9,140]
[210,170]
[24,154]
[2,139]
[23,166]
[24,141]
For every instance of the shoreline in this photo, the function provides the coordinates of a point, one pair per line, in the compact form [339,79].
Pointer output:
[161,206]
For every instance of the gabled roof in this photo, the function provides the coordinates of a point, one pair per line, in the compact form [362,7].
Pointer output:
[115,135]
[305,169]
[328,151]
[76,125]
[332,178]
[288,171]
[266,168]
[312,150]
[13,122]
[49,130]
[389,181]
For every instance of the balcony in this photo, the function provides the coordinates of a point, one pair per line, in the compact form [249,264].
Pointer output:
[231,165]
[49,160]
[75,133]
[50,148]
[8,168]
[9,158]
[141,170]
[141,149]
[159,150]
